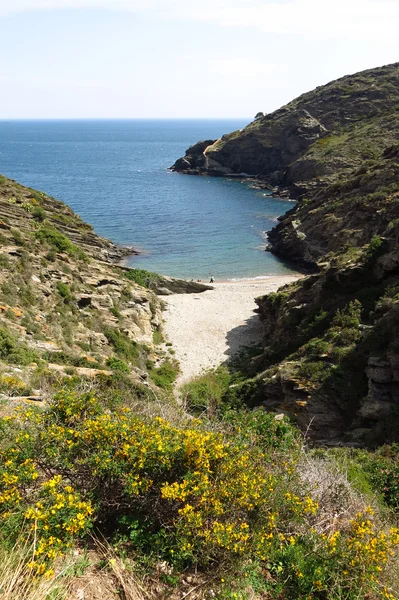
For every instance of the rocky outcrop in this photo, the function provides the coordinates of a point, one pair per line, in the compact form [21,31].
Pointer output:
[170,285]
[351,211]
[311,141]
[23,200]
[330,356]
[196,161]
[164,286]
[64,300]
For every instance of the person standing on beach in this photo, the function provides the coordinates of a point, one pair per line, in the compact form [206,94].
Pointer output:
[211,279]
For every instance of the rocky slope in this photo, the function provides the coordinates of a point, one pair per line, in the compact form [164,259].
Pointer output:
[311,141]
[66,308]
[331,356]
[331,351]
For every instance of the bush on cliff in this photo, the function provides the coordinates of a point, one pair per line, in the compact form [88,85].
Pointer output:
[58,241]
[142,277]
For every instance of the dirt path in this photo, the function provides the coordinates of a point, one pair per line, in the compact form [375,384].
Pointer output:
[208,328]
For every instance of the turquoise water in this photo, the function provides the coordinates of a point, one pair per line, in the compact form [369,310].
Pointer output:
[114,174]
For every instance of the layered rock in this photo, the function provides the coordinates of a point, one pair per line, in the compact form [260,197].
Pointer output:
[331,339]
[65,302]
[330,357]
[312,140]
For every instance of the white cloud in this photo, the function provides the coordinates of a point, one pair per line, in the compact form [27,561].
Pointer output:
[349,19]
[36,81]
[245,67]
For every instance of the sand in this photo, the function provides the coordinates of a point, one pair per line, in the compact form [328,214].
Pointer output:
[208,328]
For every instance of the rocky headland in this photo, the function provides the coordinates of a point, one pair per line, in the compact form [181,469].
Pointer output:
[313,140]
[330,355]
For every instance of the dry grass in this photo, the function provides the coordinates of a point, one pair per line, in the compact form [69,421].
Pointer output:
[129,587]
[328,484]
[17,582]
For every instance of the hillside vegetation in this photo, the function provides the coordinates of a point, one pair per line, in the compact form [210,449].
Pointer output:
[111,489]
[330,356]
[67,309]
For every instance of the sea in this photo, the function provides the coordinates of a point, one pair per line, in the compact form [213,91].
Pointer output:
[114,174]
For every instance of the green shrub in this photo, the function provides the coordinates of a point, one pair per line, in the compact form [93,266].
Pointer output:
[375,247]
[142,277]
[4,261]
[122,344]
[318,322]
[27,296]
[165,375]
[57,240]
[270,433]
[38,213]
[64,291]
[116,364]
[315,371]
[348,317]
[157,337]
[18,239]
[205,393]
[115,312]
[316,347]
[382,468]
[13,351]
[73,360]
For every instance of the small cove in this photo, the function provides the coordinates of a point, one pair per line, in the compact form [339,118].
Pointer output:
[114,174]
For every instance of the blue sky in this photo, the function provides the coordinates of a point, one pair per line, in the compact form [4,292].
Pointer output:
[181,58]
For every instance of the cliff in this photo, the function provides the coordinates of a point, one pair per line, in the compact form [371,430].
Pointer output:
[331,357]
[313,140]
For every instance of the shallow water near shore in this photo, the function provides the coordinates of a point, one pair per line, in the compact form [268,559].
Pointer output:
[115,175]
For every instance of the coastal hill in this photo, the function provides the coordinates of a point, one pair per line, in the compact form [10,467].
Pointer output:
[109,488]
[311,141]
[68,309]
[330,358]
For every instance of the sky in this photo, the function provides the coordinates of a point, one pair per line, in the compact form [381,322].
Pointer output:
[182,58]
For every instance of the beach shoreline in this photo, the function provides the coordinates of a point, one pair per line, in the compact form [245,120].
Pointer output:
[208,328]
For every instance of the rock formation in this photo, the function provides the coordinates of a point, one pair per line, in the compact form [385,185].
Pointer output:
[66,306]
[331,346]
[311,141]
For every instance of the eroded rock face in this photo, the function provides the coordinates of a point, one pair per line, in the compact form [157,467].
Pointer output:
[350,211]
[312,140]
[383,387]
[331,345]
[63,297]
[194,158]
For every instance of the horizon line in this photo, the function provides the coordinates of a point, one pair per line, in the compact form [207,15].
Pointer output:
[2,119]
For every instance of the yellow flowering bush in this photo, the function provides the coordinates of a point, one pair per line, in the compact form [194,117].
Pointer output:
[347,563]
[13,386]
[184,494]
[53,510]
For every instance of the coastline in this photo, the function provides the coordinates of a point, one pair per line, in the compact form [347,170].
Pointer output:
[208,328]
[259,279]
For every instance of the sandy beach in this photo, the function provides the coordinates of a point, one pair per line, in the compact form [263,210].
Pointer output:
[208,328]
